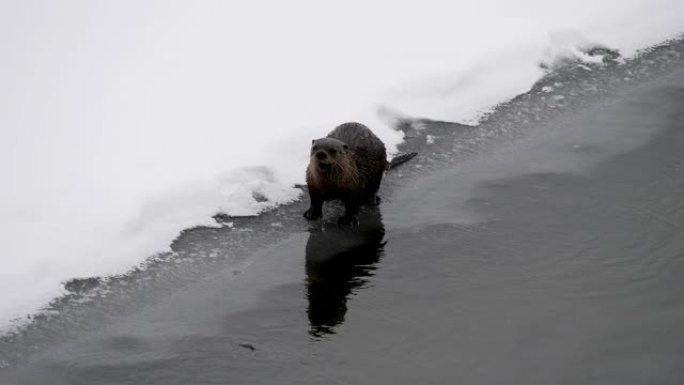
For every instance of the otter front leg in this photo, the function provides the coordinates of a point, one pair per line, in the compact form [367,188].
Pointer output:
[351,214]
[315,211]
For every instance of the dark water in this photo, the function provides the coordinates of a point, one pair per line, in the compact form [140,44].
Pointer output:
[558,259]
[339,262]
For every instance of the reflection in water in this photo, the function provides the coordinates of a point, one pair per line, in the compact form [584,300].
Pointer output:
[339,260]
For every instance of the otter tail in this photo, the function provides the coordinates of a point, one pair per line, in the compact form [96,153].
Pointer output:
[400,159]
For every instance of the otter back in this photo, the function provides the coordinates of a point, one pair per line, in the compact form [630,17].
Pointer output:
[369,153]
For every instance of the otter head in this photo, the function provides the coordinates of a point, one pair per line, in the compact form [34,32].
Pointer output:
[325,152]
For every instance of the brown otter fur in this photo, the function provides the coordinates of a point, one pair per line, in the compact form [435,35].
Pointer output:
[347,165]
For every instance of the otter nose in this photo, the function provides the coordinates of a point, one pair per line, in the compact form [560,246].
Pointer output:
[321,155]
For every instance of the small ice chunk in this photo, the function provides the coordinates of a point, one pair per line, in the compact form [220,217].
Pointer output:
[80,285]
[259,197]
[419,126]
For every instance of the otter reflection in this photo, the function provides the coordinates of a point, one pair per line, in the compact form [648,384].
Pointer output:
[339,260]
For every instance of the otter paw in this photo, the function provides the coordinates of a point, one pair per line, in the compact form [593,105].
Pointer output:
[349,220]
[312,214]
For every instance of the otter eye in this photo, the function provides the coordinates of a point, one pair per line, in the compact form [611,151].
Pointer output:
[345,147]
[332,152]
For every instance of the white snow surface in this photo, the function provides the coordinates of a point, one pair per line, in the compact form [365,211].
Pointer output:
[124,122]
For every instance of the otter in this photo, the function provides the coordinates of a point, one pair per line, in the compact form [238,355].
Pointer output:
[347,165]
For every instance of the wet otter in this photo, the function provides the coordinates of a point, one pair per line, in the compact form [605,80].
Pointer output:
[347,165]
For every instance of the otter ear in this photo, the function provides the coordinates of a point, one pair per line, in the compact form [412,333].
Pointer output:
[313,141]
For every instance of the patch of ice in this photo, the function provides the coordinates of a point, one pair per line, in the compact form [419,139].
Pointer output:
[119,129]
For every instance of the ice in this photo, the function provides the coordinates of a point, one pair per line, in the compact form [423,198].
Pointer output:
[122,123]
